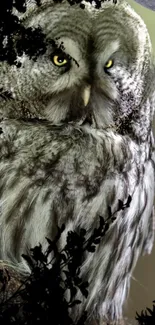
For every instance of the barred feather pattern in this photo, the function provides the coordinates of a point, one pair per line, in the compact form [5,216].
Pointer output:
[64,162]
[49,178]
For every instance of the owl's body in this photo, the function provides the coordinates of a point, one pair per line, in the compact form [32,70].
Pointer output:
[94,155]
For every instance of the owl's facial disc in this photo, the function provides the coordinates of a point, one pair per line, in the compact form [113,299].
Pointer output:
[89,69]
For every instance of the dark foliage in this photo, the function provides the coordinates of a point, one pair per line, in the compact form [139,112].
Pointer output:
[147,317]
[42,295]
[15,39]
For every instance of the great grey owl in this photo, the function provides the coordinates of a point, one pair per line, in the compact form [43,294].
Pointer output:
[76,137]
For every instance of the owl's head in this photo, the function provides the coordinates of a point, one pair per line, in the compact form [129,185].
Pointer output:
[97,68]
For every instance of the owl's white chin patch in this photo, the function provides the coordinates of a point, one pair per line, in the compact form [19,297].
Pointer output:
[102,111]
[100,122]
[56,110]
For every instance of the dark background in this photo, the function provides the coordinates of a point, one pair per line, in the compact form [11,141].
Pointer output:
[147,3]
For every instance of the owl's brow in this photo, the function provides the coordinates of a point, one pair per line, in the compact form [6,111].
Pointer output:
[61,47]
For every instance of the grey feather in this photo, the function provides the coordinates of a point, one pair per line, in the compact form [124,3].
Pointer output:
[62,161]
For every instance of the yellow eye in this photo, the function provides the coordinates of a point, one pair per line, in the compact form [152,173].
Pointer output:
[59,60]
[109,64]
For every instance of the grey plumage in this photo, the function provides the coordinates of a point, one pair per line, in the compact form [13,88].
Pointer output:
[77,160]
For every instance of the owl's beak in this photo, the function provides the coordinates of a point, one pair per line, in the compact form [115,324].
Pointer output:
[86,95]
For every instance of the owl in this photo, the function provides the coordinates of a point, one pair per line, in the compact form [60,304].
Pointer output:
[75,138]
